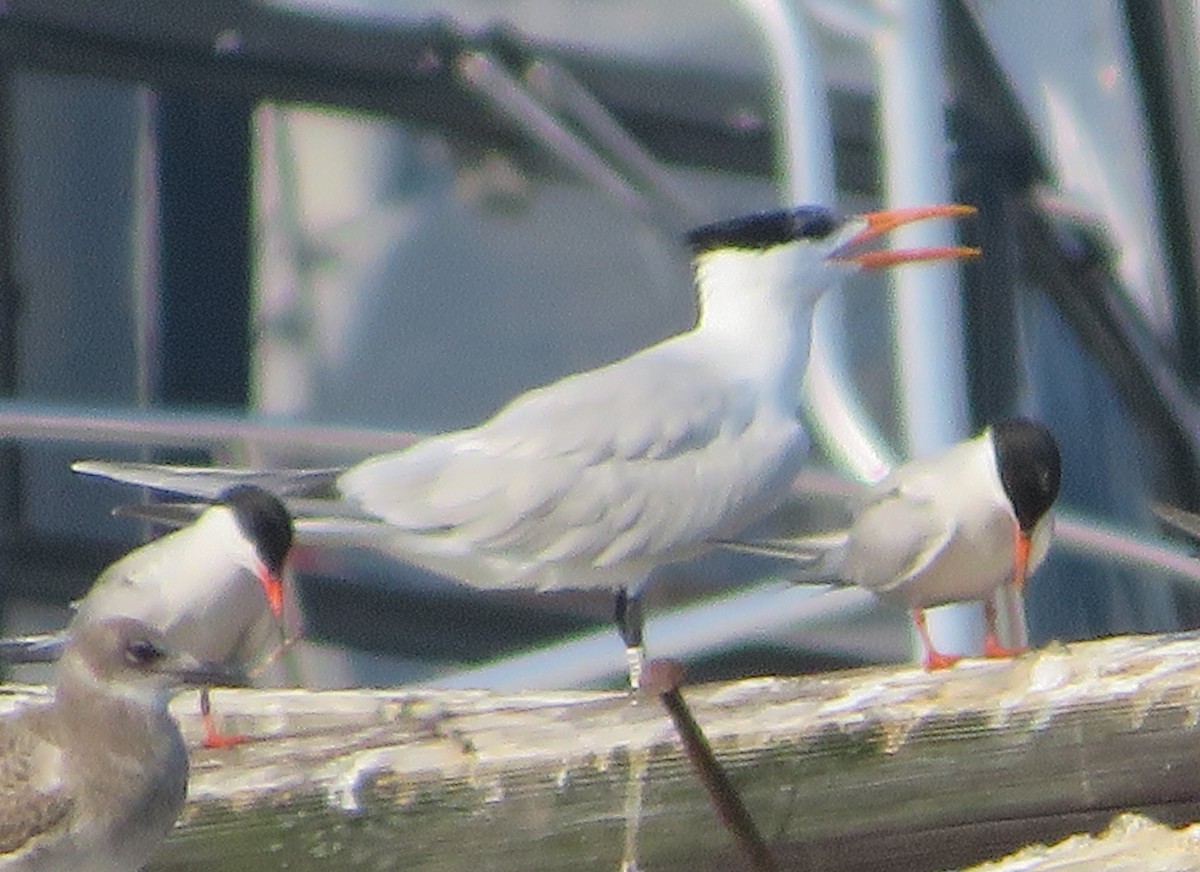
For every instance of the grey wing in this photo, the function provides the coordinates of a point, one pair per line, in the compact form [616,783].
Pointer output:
[637,459]
[895,537]
[34,804]
[206,482]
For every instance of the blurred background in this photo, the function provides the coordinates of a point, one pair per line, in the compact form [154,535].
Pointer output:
[297,232]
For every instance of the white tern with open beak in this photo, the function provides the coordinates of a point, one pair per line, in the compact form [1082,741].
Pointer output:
[596,480]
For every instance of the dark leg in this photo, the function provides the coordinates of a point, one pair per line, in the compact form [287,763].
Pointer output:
[629,625]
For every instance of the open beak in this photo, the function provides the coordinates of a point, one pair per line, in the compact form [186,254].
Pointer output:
[879,223]
[272,586]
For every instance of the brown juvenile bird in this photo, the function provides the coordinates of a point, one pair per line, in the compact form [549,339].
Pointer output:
[93,780]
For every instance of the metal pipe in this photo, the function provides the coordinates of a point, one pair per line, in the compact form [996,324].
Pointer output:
[664,677]
[804,145]
[927,313]
[167,428]
[507,96]
[147,332]
[561,91]
[1094,539]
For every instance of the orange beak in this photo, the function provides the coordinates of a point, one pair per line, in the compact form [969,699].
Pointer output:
[272,586]
[879,223]
[1020,560]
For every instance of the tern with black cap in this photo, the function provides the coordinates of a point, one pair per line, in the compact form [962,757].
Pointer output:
[596,480]
[954,527]
[213,588]
[93,780]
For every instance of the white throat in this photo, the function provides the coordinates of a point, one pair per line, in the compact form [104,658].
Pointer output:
[756,307]
[215,535]
[148,695]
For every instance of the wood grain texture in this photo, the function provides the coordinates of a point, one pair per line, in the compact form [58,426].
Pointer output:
[866,769]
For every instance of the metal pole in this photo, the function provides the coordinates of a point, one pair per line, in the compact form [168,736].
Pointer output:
[930,363]
[805,154]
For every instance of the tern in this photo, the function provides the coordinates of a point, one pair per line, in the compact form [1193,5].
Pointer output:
[596,480]
[94,779]
[953,527]
[213,588]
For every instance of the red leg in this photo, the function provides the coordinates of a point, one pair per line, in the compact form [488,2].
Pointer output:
[991,642]
[213,737]
[934,659]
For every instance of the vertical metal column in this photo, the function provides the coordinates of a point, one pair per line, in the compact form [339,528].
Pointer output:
[204,184]
[805,147]
[10,314]
[930,363]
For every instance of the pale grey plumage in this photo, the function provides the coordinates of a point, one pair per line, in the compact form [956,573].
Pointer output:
[94,779]
[198,585]
[573,487]
[201,586]
[597,479]
[937,530]
[954,527]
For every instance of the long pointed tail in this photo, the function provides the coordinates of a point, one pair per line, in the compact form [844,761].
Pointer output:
[811,559]
[207,482]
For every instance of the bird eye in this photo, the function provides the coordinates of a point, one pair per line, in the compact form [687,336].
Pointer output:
[143,653]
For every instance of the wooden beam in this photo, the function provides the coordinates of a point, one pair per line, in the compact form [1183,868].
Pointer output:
[866,769]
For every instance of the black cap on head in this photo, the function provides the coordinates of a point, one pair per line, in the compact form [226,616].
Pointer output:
[762,230]
[1030,467]
[264,520]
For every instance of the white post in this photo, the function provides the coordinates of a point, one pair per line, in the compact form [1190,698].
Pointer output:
[930,364]
[805,154]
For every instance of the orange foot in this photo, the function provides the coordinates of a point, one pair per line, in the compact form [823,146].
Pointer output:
[993,649]
[220,740]
[214,738]
[935,660]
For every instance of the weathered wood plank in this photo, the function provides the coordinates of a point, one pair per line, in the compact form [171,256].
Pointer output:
[881,768]
[1131,843]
